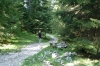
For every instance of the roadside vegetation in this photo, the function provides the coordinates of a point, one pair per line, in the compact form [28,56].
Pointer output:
[19,41]
[77,60]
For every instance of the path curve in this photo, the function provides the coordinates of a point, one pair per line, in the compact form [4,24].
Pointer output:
[16,59]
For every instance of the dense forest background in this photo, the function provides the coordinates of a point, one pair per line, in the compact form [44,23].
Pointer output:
[71,19]
[15,18]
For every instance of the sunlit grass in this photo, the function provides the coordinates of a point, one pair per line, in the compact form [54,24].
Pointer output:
[19,41]
[8,47]
[86,62]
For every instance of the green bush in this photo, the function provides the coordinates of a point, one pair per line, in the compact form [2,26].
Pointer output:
[85,46]
[96,44]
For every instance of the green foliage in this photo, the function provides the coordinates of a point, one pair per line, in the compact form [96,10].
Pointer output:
[9,21]
[96,44]
[85,47]
[37,59]
[95,22]
[17,42]
[81,18]
[56,24]
[14,18]
[83,1]
[38,18]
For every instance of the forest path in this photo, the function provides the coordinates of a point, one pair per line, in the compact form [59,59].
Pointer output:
[16,59]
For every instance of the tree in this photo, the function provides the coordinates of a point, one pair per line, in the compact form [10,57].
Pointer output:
[76,15]
[38,18]
[10,19]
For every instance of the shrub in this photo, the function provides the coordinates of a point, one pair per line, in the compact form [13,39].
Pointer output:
[85,46]
[96,44]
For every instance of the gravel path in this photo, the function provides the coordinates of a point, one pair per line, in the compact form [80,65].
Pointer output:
[16,59]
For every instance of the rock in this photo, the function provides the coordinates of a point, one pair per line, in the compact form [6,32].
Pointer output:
[70,64]
[54,54]
[74,53]
[47,63]
[58,60]
[68,54]
[52,44]
[47,52]
[69,59]
[61,45]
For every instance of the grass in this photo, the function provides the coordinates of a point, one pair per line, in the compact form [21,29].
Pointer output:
[79,60]
[19,41]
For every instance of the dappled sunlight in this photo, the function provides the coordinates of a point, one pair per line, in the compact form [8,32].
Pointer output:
[31,48]
[77,60]
[26,40]
[87,61]
[61,24]
[71,8]
[8,47]
[17,41]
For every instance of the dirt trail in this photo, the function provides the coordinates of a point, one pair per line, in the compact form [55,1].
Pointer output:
[16,59]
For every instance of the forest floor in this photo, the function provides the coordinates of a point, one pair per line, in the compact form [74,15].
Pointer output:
[16,59]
